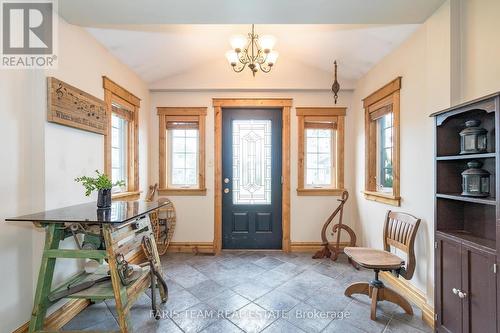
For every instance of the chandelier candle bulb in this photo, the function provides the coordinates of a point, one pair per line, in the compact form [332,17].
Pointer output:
[232,57]
[238,43]
[272,57]
[267,43]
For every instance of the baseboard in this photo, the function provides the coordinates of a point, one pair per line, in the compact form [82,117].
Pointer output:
[413,294]
[191,247]
[57,319]
[310,246]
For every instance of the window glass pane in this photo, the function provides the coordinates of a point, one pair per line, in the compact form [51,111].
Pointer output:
[384,153]
[183,158]
[312,144]
[178,160]
[119,142]
[191,176]
[178,176]
[178,144]
[319,157]
[388,137]
[324,145]
[312,161]
[324,161]
[191,160]
[252,158]
[191,145]
[324,133]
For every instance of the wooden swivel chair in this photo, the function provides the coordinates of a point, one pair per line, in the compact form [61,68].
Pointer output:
[400,230]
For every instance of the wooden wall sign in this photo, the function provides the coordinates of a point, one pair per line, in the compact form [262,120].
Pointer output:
[70,106]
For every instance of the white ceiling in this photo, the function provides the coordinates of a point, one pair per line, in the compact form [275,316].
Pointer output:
[103,12]
[157,52]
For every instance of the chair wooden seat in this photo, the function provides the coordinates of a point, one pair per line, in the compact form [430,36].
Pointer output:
[373,258]
[400,230]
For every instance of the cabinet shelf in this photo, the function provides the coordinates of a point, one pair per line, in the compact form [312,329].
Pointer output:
[465,157]
[467,238]
[458,197]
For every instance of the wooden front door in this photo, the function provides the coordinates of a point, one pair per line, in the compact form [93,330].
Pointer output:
[251,179]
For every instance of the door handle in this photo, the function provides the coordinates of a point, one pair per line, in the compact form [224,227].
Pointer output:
[455,291]
[462,294]
[226,190]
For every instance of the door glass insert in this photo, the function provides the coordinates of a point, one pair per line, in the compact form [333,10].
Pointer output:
[252,162]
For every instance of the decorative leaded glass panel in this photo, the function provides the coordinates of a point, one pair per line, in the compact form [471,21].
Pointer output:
[252,162]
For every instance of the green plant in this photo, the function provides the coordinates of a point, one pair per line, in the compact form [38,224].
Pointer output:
[101,182]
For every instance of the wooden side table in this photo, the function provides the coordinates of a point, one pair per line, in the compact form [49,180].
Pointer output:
[114,232]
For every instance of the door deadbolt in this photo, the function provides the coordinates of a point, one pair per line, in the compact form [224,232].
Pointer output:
[226,180]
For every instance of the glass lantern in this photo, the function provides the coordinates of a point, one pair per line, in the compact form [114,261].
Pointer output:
[473,138]
[475,181]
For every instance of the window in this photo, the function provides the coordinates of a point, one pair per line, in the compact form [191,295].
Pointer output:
[182,151]
[384,160]
[382,144]
[119,145]
[121,142]
[182,138]
[321,151]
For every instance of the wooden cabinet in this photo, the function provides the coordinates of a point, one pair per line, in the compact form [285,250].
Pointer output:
[465,287]
[466,228]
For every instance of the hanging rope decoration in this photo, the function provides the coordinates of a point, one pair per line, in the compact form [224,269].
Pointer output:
[336,84]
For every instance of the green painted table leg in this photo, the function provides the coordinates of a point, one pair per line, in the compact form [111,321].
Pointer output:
[53,235]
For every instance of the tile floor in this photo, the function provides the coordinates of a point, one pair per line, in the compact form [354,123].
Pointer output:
[256,292]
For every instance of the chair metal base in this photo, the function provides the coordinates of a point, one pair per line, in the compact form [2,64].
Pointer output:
[376,290]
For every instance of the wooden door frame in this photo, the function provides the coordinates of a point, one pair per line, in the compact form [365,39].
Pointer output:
[285,104]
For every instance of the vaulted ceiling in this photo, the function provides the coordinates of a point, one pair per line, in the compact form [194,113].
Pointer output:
[175,44]
[157,53]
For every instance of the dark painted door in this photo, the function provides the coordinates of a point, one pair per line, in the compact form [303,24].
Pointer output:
[479,285]
[448,279]
[251,178]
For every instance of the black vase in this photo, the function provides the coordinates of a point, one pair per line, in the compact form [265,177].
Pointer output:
[104,198]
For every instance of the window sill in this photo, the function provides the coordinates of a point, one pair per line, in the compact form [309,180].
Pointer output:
[126,195]
[183,191]
[319,191]
[385,198]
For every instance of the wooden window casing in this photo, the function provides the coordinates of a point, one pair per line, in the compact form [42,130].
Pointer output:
[129,104]
[327,118]
[181,117]
[382,102]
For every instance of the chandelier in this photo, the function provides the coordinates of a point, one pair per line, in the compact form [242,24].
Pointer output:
[254,52]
